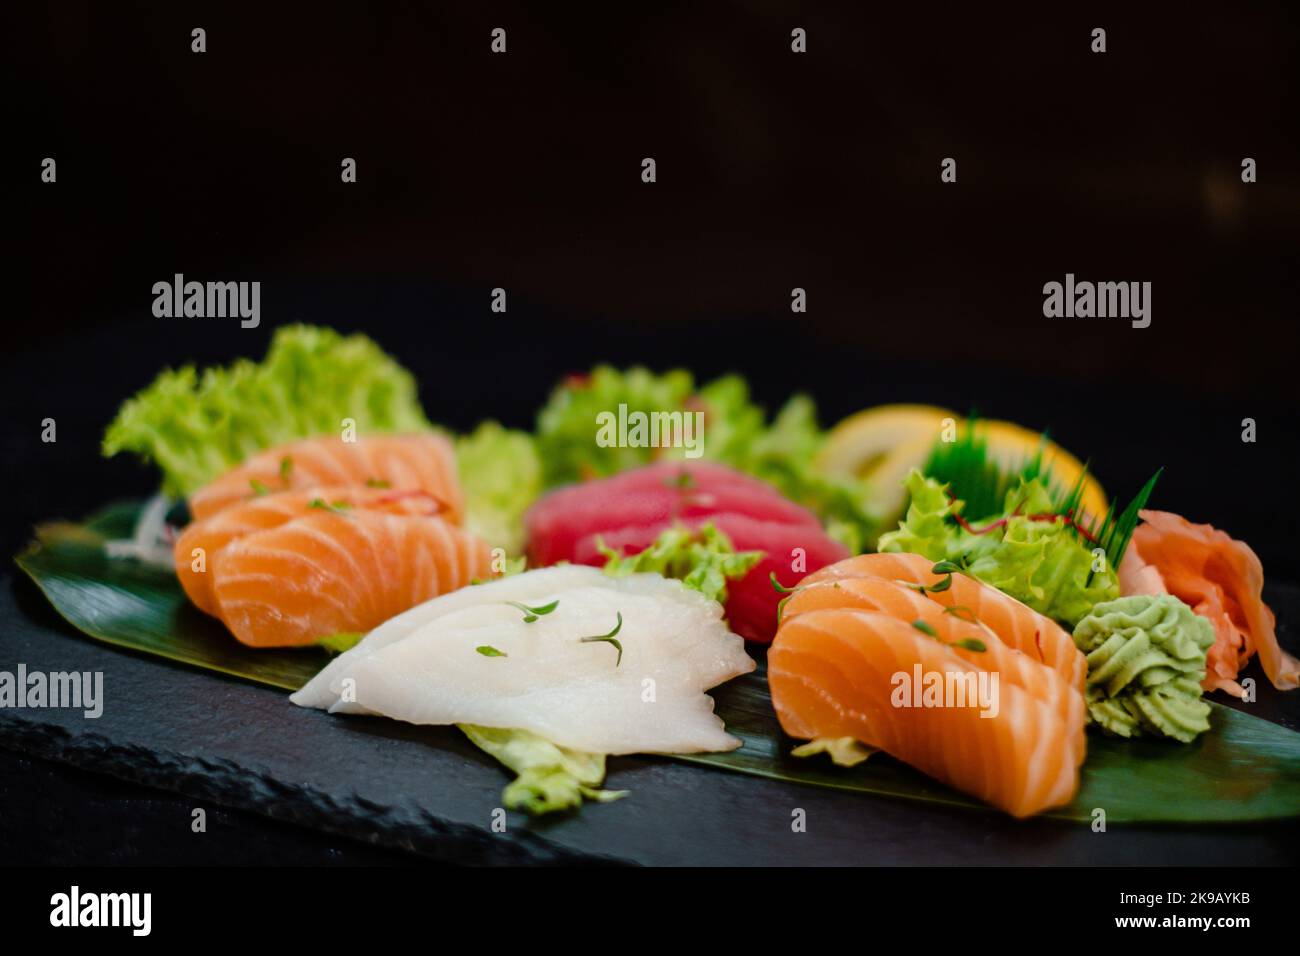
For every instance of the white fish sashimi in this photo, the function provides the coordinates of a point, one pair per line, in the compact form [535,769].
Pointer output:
[424,666]
[530,588]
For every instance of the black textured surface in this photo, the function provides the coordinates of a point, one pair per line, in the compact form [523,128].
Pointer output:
[232,745]
[59,815]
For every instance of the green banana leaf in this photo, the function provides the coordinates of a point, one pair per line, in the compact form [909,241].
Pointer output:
[1244,769]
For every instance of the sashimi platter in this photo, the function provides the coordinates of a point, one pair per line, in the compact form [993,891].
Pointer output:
[914,603]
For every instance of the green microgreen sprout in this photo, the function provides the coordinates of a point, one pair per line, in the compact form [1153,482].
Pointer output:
[533,613]
[609,639]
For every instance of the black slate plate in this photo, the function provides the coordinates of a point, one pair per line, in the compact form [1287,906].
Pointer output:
[427,790]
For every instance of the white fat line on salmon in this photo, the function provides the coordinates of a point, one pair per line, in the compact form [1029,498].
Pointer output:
[946,689]
[82,690]
[210,300]
[74,908]
[651,430]
[1086,300]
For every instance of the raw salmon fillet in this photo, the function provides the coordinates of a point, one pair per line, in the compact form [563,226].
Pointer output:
[425,462]
[330,572]
[1023,628]
[908,605]
[833,672]
[205,538]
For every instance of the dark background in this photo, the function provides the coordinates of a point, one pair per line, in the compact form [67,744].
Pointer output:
[775,170]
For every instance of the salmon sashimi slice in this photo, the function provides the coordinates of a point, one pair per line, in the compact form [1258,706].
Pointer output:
[331,572]
[425,462]
[955,628]
[1222,580]
[846,673]
[201,540]
[1020,626]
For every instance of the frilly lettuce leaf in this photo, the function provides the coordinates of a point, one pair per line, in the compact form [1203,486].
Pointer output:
[550,778]
[1043,563]
[502,475]
[925,529]
[701,558]
[196,425]
[1046,567]
[566,425]
[733,425]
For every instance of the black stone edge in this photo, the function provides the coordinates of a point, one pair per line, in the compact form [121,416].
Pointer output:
[233,785]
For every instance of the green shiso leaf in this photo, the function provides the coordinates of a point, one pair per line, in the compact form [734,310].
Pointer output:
[196,425]
[1243,769]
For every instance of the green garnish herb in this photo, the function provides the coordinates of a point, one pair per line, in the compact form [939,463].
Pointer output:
[488,650]
[609,638]
[962,613]
[943,567]
[286,470]
[259,489]
[377,483]
[532,613]
[968,643]
[780,588]
[338,506]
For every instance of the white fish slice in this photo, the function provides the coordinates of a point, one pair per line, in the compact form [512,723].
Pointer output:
[424,666]
[531,588]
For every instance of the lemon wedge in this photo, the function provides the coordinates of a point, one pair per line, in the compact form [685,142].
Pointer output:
[884,443]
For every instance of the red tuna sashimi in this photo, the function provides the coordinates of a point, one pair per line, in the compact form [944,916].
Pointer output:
[627,512]
[653,496]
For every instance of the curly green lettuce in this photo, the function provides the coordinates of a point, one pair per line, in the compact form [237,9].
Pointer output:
[1025,551]
[502,475]
[703,559]
[197,425]
[550,778]
[566,425]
